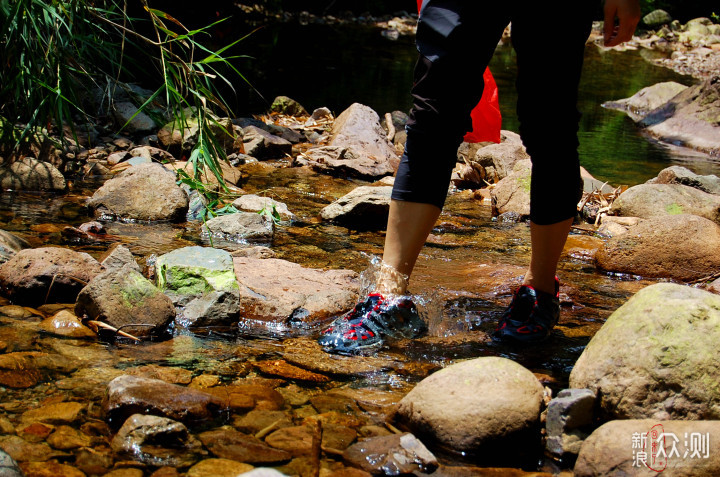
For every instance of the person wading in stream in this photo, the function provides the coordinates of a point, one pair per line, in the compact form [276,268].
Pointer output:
[456,39]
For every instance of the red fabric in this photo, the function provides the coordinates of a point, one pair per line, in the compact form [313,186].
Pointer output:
[486,118]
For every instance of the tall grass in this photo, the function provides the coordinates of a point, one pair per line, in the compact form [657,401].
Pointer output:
[55,51]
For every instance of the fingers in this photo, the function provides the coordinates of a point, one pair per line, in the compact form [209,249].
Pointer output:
[609,22]
[628,14]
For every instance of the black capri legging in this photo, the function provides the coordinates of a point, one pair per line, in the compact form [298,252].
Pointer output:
[456,39]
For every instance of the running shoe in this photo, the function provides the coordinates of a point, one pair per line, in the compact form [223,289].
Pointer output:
[531,316]
[366,326]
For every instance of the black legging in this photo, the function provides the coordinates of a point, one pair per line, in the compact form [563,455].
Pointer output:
[456,39]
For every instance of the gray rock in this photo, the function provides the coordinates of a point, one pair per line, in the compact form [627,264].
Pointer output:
[125,299]
[117,257]
[683,247]
[256,203]
[27,277]
[614,448]
[397,454]
[285,294]
[653,200]
[10,244]
[569,416]
[145,192]
[366,206]
[211,309]
[647,99]
[476,406]
[196,270]
[30,174]
[512,194]
[243,227]
[8,466]
[123,113]
[657,18]
[684,176]
[127,395]
[261,144]
[156,441]
[655,356]
[501,158]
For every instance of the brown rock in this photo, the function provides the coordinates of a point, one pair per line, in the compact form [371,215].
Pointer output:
[97,460]
[278,291]
[683,247]
[264,397]
[512,194]
[57,413]
[337,437]
[163,373]
[652,200]
[34,432]
[166,472]
[614,447]
[143,192]
[30,174]
[25,369]
[234,445]
[391,455]
[128,395]
[297,440]
[66,438]
[65,323]
[23,451]
[49,469]
[129,472]
[27,276]
[283,369]
[308,354]
[218,468]
[258,420]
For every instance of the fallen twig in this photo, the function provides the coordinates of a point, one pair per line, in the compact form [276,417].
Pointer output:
[100,324]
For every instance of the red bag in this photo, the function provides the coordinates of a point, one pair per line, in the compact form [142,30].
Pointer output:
[486,118]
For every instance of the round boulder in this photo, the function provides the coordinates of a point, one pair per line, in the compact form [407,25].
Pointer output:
[683,247]
[145,192]
[33,277]
[652,200]
[656,356]
[477,406]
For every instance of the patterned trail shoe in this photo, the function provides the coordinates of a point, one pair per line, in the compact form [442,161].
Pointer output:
[366,326]
[531,316]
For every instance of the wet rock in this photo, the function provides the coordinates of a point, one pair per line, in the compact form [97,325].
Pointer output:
[126,299]
[498,160]
[285,370]
[287,106]
[258,420]
[467,176]
[307,354]
[156,441]
[34,432]
[168,374]
[261,144]
[366,206]
[10,244]
[27,277]
[282,292]
[127,472]
[614,448]
[49,469]
[65,323]
[56,414]
[691,118]
[240,227]
[683,247]
[569,417]
[117,256]
[653,356]
[30,174]
[214,308]
[146,192]
[66,438]
[257,251]
[647,99]
[358,147]
[337,437]
[218,468]
[229,444]
[8,466]
[243,397]
[684,176]
[256,203]
[26,369]
[391,455]
[97,460]
[128,395]
[512,194]
[479,406]
[297,440]
[651,200]
[22,451]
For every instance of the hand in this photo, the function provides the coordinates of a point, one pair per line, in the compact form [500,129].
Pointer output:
[628,14]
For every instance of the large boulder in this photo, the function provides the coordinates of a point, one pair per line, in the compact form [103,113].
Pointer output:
[691,118]
[689,448]
[202,279]
[479,406]
[512,194]
[125,299]
[358,147]
[284,294]
[641,103]
[655,356]
[683,247]
[145,192]
[498,160]
[365,206]
[37,276]
[684,176]
[30,174]
[263,145]
[651,200]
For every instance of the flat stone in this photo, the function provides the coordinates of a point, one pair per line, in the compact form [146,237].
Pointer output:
[22,451]
[258,419]
[218,468]
[27,368]
[263,145]
[391,455]
[365,206]
[229,444]
[241,227]
[297,440]
[195,270]
[66,438]
[58,413]
[286,370]
[172,375]
[49,469]
[307,354]
[256,203]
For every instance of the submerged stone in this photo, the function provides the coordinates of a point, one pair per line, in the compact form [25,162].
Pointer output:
[391,455]
[196,270]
